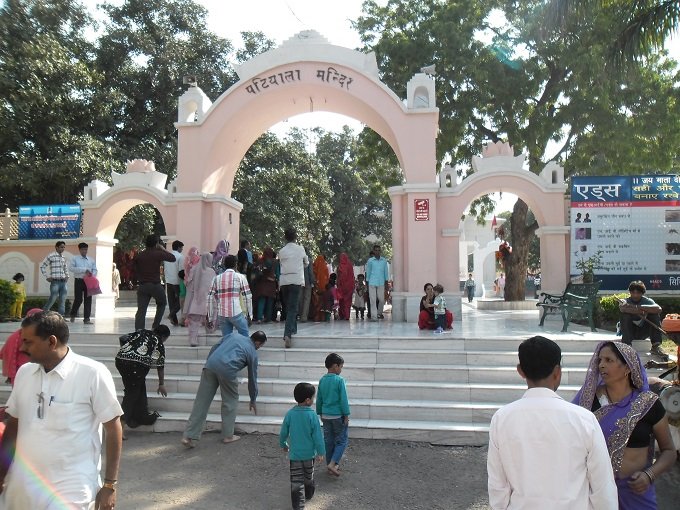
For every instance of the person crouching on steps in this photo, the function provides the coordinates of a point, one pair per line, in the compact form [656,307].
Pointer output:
[301,437]
[333,406]
[139,352]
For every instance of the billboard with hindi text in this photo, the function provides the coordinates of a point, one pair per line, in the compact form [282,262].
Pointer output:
[49,221]
[634,223]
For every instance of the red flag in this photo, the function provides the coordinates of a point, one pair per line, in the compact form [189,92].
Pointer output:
[494,222]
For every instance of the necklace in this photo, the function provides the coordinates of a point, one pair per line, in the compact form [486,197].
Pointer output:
[611,400]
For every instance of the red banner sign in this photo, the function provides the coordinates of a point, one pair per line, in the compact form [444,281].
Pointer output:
[422,209]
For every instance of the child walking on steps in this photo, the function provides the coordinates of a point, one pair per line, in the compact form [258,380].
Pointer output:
[333,406]
[301,437]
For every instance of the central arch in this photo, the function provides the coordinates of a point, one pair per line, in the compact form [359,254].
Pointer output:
[305,74]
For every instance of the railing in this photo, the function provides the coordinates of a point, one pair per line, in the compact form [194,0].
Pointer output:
[9,225]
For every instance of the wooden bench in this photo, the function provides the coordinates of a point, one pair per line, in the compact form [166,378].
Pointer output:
[576,302]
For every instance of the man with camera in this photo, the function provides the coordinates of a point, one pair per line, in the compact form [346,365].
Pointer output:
[148,270]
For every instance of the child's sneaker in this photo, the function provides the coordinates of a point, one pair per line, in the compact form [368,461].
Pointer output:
[438,331]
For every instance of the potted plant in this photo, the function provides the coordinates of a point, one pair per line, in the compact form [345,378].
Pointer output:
[589,265]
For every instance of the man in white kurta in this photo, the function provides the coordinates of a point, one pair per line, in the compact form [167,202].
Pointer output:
[545,452]
[57,407]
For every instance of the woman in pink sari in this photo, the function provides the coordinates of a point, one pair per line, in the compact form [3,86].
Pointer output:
[192,259]
[12,357]
[196,303]
[345,286]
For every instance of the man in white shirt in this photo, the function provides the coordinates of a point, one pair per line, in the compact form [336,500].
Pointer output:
[293,260]
[57,408]
[82,266]
[171,272]
[545,452]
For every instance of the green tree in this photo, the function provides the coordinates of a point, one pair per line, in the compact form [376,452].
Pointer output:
[282,185]
[644,25]
[534,85]
[136,224]
[145,50]
[49,148]
[360,203]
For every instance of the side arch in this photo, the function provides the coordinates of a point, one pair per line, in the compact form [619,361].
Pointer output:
[101,218]
[544,197]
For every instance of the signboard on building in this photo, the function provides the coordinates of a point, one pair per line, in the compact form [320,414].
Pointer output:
[422,209]
[49,221]
[634,223]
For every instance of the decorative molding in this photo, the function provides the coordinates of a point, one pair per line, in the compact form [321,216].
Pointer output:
[413,188]
[140,173]
[553,230]
[498,162]
[451,232]
[308,45]
[420,93]
[492,150]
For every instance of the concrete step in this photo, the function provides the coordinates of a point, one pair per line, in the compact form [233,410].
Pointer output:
[351,356]
[372,372]
[419,341]
[459,434]
[363,409]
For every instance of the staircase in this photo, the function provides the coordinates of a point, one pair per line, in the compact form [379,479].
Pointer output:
[403,384]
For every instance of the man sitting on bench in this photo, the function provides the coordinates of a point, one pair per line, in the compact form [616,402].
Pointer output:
[634,310]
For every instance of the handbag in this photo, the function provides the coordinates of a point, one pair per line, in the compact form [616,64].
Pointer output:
[92,285]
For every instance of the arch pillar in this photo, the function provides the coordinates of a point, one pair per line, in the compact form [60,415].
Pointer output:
[414,244]
[101,249]
[448,267]
[554,241]
[205,220]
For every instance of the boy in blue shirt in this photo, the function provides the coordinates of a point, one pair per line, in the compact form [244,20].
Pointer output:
[301,437]
[333,406]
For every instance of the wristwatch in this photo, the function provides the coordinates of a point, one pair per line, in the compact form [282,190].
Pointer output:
[110,485]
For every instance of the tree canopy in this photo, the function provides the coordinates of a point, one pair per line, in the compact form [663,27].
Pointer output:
[503,73]
[79,99]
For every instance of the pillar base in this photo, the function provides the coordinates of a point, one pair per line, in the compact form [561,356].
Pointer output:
[406,306]
[103,306]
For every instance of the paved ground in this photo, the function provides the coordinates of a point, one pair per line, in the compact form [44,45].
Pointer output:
[252,474]
[158,473]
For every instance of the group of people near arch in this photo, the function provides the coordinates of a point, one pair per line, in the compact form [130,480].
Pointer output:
[284,285]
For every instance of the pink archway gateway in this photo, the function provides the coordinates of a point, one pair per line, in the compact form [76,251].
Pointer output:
[307,74]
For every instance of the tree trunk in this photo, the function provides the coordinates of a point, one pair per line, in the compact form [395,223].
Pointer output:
[516,264]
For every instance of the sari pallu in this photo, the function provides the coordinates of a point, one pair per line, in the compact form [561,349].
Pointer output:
[321,275]
[345,286]
[618,420]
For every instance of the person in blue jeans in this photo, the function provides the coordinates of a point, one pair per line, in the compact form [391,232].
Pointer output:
[301,437]
[55,270]
[333,406]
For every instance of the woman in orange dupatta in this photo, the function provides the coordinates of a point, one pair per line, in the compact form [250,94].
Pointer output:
[321,276]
